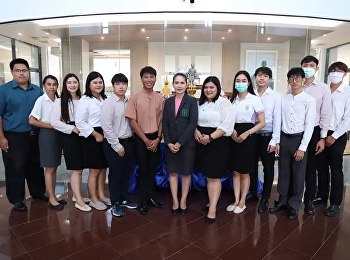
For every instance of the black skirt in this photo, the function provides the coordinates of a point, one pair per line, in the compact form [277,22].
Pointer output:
[93,154]
[72,151]
[181,162]
[211,159]
[242,155]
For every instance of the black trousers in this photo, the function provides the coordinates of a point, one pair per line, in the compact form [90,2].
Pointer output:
[332,158]
[291,174]
[22,162]
[311,166]
[120,169]
[268,162]
[147,162]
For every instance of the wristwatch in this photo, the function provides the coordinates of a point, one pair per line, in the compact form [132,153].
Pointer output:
[210,138]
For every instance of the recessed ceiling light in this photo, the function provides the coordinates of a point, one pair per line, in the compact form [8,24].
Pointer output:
[147,37]
[229,30]
[143,29]
[47,33]
[19,33]
[223,38]
[268,38]
[185,37]
[102,37]
[325,35]
[186,30]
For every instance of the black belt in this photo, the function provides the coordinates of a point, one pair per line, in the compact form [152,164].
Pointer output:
[128,139]
[293,135]
[265,134]
[31,132]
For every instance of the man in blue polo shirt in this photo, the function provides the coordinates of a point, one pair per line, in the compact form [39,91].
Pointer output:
[18,139]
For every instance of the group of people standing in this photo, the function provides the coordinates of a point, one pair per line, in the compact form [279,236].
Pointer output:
[306,129]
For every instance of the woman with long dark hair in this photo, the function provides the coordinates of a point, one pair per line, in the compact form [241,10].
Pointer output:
[216,118]
[88,121]
[250,118]
[62,119]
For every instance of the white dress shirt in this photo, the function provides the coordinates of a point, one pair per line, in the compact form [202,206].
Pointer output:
[113,121]
[298,115]
[42,109]
[218,114]
[321,92]
[56,116]
[247,108]
[88,115]
[271,100]
[340,122]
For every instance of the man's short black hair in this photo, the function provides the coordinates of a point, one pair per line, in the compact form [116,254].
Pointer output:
[119,77]
[264,70]
[309,58]
[19,61]
[296,72]
[148,69]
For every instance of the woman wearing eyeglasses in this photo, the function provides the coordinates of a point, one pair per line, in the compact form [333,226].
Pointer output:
[332,157]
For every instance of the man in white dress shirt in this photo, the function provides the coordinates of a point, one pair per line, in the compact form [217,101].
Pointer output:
[118,145]
[332,157]
[298,119]
[269,136]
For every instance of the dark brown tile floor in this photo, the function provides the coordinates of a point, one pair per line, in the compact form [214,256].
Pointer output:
[46,234]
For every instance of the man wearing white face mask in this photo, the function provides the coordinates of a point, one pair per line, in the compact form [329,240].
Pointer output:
[336,139]
[321,92]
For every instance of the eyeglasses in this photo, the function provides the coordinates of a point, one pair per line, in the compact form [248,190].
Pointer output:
[20,71]
[294,79]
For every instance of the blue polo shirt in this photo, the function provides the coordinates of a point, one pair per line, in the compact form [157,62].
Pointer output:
[16,104]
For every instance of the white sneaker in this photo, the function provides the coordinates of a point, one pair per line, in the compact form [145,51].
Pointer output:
[238,210]
[86,200]
[83,208]
[230,207]
[106,201]
[99,205]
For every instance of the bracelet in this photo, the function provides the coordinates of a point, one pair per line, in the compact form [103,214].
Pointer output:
[249,132]
[210,138]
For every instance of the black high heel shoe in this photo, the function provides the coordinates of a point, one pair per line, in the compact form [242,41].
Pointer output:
[209,220]
[183,211]
[175,211]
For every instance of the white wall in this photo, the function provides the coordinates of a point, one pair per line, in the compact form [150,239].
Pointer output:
[157,52]
[52,8]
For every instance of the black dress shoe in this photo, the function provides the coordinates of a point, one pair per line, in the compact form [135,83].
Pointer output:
[155,203]
[183,212]
[293,213]
[263,206]
[56,207]
[309,208]
[279,206]
[251,197]
[143,210]
[332,210]
[19,206]
[62,201]
[43,197]
[175,211]
[209,220]
[320,200]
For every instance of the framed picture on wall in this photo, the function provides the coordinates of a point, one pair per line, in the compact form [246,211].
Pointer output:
[261,58]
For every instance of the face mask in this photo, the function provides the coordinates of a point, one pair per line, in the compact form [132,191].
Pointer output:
[336,77]
[241,87]
[309,72]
